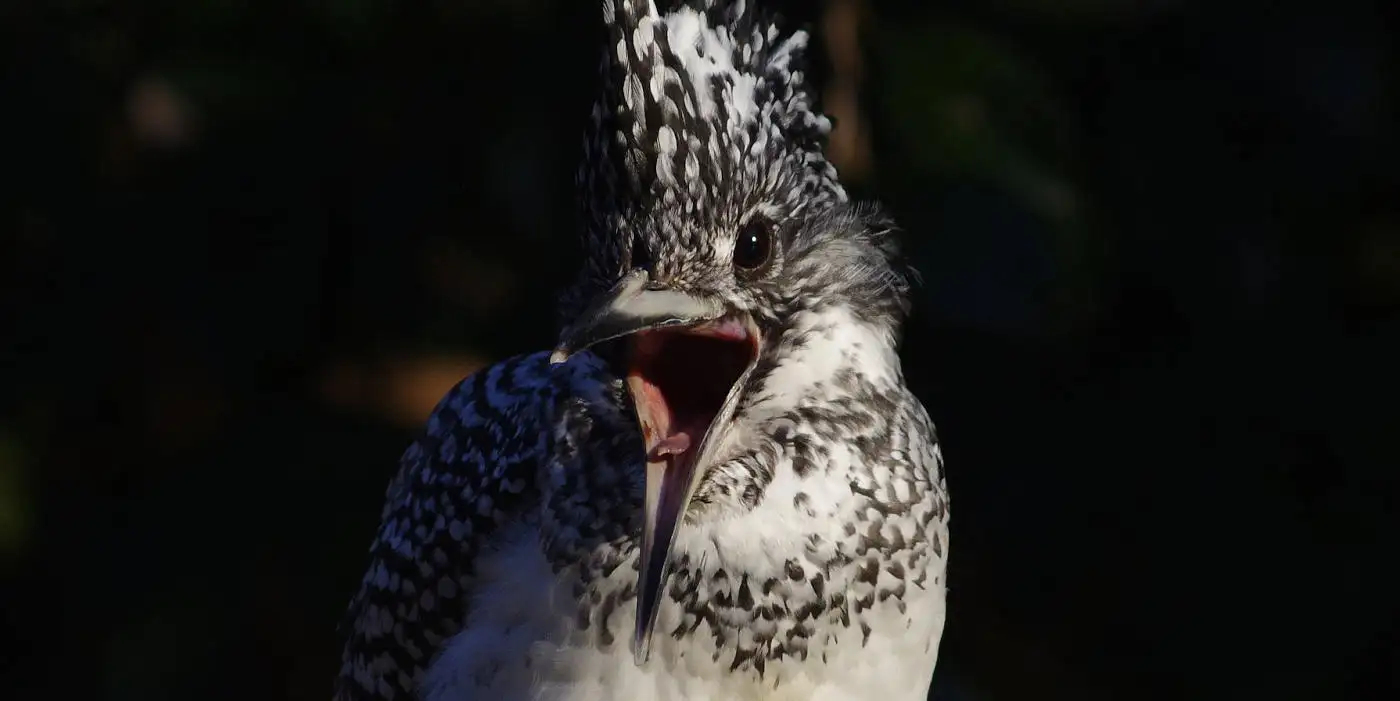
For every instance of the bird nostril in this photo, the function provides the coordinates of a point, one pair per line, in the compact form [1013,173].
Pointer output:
[640,256]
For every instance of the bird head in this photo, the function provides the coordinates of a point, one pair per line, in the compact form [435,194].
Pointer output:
[711,220]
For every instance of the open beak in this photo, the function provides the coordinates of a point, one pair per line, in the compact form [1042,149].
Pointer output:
[686,362]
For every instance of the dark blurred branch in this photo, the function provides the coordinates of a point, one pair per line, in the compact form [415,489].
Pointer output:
[849,148]
[401,390]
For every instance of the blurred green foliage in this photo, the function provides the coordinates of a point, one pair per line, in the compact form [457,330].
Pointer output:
[966,105]
[977,109]
[15,501]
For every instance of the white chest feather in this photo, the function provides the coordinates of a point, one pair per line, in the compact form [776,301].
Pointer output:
[524,642]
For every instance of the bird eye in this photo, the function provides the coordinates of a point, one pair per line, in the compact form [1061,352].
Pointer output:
[754,246]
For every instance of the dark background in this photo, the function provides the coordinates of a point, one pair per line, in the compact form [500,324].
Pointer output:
[247,245]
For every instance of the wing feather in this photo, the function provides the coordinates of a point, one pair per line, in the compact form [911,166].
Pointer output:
[474,467]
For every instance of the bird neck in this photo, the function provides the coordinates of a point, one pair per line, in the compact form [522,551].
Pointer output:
[817,380]
[823,354]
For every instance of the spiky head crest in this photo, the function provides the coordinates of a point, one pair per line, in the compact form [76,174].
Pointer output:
[704,124]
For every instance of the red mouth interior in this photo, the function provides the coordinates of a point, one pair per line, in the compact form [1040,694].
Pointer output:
[679,380]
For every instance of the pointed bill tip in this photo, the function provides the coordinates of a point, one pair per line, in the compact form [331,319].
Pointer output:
[641,649]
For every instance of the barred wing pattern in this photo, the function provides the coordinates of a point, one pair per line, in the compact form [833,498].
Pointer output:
[475,467]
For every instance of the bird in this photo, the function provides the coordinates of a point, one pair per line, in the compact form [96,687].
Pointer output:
[717,485]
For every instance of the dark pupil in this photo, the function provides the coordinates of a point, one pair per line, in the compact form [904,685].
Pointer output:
[754,245]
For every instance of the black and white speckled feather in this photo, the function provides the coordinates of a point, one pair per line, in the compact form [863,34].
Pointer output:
[704,120]
[811,560]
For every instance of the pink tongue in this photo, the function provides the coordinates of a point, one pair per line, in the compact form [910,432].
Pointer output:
[674,444]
